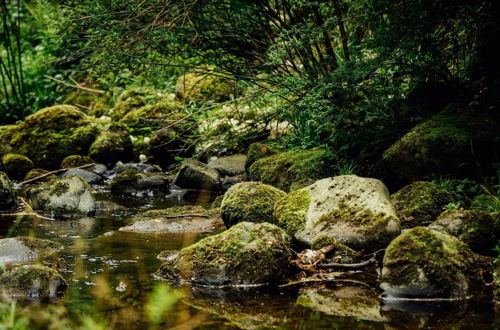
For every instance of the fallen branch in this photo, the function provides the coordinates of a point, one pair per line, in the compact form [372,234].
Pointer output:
[186,216]
[77,86]
[26,214]
[323,280]
[368,262]
[425,299]
[54,172]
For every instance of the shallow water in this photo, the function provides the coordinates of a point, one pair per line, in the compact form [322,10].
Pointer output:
[112,272]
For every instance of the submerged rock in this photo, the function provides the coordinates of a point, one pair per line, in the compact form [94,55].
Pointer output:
[183,219]
[130,182]
[8,195]
[26,250]
[351,210]
[249,201]
[113,144]
[475,228]
[451,142]
[425,263]
[197,175]
[230,165]
[31,281]
[291,170]
[246,254]
[17,166]
[51,134]
[419,203]
[67,196]
[344,301]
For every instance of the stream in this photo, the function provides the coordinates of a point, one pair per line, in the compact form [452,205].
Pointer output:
[112,271]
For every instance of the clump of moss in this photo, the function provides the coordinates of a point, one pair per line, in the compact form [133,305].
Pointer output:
[420,203]
[133,99]
[36,172]
[249,201]
[7,193]
[486,202]
[51,134]
[290,211]
[205,84]
[149,118]
[473,227]
[426,263]
[291,170]
[17,166]
[95,103]
[112,145]
[259,150]
[445,144]
[75,161]
[6,132]
[245,254]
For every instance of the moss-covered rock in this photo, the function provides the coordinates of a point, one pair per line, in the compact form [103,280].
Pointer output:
[94,103]
[26,250]
[182,219]
[353,211]
[291,170]
[425,263]
[230,165]
[150,118]
[451,142]
[75,161]
[16,166]
[31,281]
[8,195]
[473,227]
[259,150]
[51,134]
[112,144]
[133,99]
[486,202]
[63,197]
[197,175]
[205,84]
[6,132]
[172,141]
[132,182]
[419,203]
[249,201]
[36,172]
[246,254]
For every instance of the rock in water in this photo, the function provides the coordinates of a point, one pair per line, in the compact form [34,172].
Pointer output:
[31,281]
[351,210]
[419,203]
[89,177]
[230,165]
[113,144]
[249,201]
[424,263]
[130,182]
[7,193]
[17,166]
[66,196]
[197,175]
[247,254]
[26,250]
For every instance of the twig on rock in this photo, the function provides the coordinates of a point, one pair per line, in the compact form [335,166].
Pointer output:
[54,172]
[368,262]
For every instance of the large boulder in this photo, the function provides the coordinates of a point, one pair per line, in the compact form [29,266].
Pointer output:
[183,219]
[31,281]
[246,254]
[475,228]
[16,166]
[205,84]
[197,175]
[425,263]
[351,210]
[291,170]
[51,134]
[131,182]
[112,145]
[451,142]
[63,197]
[419,203]
[229,165]
[8,195]
[250,201]
[26,250]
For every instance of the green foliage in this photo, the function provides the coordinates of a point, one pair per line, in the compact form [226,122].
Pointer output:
[161,299]
[9,318]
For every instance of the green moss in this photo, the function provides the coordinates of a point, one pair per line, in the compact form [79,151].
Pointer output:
[420,203]
[6,132]
[36,172]
[259,150]
[441,257]
[486,202]
[43,247]
[290,211]
[249,201]
[124,181]
[112,145]
[291,170]
[32,281]
[247,253]
[17,166]
[7,193]
[204,85]
[75,161]
[149,118]
[51,134]
[339,249]
[93,103]
[134,99]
